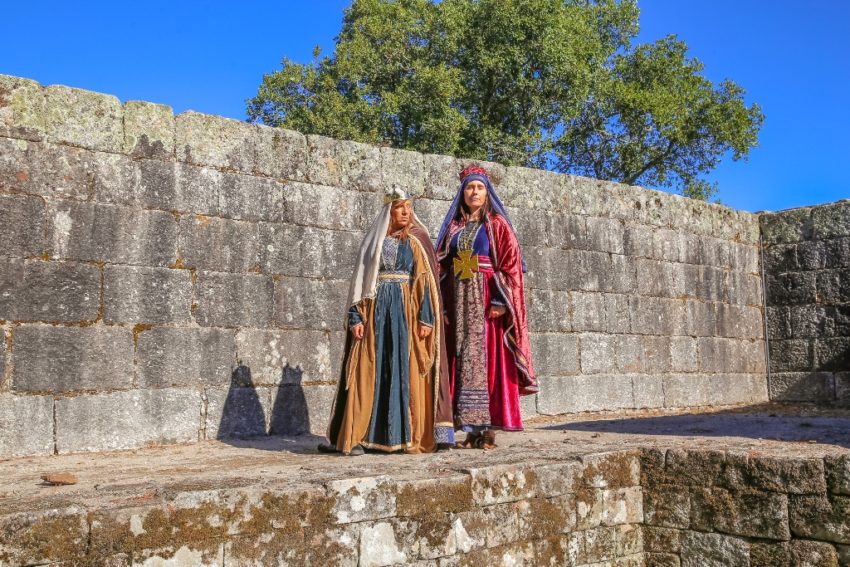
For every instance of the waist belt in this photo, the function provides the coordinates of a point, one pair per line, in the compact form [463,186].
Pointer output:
[393,277]
[465,264]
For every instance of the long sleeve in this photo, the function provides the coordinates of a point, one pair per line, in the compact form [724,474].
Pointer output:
[426,311]
[353,317]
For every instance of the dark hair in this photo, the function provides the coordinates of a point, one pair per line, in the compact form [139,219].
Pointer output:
[464,208]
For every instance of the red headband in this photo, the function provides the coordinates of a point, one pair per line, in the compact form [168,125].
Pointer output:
[473,170]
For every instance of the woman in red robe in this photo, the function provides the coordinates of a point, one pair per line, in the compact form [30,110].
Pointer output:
[481,277]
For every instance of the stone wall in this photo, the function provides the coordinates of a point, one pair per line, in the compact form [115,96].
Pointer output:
[168,279]
[706,508]
[807,265]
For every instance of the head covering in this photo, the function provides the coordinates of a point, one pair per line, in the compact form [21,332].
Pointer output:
[364,282]
[474,173]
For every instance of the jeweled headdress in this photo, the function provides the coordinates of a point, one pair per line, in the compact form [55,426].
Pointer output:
[396,194]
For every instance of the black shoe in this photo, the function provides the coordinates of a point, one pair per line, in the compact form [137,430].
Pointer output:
[327,448]
[356,451]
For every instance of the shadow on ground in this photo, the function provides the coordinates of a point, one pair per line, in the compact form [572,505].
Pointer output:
[800,424]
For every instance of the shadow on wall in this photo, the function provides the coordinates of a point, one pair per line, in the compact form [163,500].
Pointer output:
[790,424]
[243,418]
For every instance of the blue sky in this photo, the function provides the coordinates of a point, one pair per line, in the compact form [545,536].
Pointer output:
[793,59]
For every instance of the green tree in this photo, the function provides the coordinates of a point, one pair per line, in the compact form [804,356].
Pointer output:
[555,84]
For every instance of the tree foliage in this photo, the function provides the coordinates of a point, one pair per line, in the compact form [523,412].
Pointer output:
[555,84]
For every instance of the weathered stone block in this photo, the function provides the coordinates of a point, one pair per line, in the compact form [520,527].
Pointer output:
[343,164]
[831,221]
[124,420]
[700,318]
[832,354]
[842,387]
[713,550]
[791,355]
[802,386]
[219,244]
[598,546]
[403,169]
[606,235]
[280,249]
[787,226]
[490,526]
[84,118]
[838,474]
[622,506]
[833,286]
[363,499]
[293,356]
[745,513]
[325,207]
[661,540]
[22,229]
[793,288]
[281,154]
[173,356]
[808,321]
[142,295]
[658,316]
[441,176]
[532,188]
[548,311]
[112,234]
[656,278]
[814,554]
[54,535]
[811,255]
[617,313]
[148,130]
[821,517]
[667,506]
[181,187]
[56,292]
[738,321]
[62,359]
[48,170]
[683,354]
[310,304]
[234,300]
[26,425]
[502,483]
[837,253]
[648,391]
[237,412]
[555,354]
[629,353]
[781,258]
[792,475]
[204,139]
[247,197]
[329,253]
[21,108]
[571,394]
[656,354]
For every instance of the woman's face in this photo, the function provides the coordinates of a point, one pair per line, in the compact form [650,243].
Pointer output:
[475,195]
[400,214]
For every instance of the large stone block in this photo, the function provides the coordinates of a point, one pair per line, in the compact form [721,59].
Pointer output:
[792,475]
[787,226]
[713,550]
[630,354]
[247,197]
[219,244]
[175,356]
[802,386]
[833,286]
[84,118]
[62,359]
[656,278]
[598,353]
[837,253]
[793,288]
[193,188]
[692,390]
[791,355]
[26,425]
[303,303]
[589,312]
[656,354]
[293,356]
[648,391]
[838,474]
[237,412]
[326,207]
[622,506]
[124,420]
[606,235]
[739,322]
[281,154]
[403,169]
[811,255]
[21,108]
[821,517]
[747,513]
[660,316]
[700,318]
[328,253]
[234,300]
[115,235]
[298,409]
[572,394]
[832,354]
[343,164]
[56,292]
[533,188]
[148,130]
[49,170]
[140,295]
[808,321]
[280,249]
[22,227]
[441,176]
[555,354]
[780,258]
[683,354]
[363,499]
[204,139]
[744,289]
[548,311]
[831,221]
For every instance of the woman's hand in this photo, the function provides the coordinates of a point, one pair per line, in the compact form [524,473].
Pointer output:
[424,331]
[496,311]
[358,331]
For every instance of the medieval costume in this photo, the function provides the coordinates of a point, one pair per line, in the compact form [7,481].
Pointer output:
[481,266]
[392,394]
